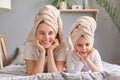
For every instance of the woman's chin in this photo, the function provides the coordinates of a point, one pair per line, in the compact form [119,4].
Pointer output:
[47,46]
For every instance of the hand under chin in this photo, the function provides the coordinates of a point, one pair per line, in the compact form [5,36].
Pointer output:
[46,46]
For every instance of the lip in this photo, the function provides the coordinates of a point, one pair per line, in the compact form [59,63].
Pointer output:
[84,53]
[45,42]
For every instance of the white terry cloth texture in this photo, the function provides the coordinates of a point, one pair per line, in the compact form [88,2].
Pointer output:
[84,25]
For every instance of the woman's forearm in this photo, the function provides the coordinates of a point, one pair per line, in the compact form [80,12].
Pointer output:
[51,62]
[39,67]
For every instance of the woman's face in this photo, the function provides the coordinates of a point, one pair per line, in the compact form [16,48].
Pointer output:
[45,34]
[82,46]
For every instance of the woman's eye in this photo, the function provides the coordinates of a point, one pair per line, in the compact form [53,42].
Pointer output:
[51,33]
[41,33]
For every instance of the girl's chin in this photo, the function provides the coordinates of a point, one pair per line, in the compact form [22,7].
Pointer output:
[84,55]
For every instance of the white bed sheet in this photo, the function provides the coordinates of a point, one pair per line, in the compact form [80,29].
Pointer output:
[18,72]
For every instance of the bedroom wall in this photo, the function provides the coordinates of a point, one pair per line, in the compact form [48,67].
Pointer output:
[16,23]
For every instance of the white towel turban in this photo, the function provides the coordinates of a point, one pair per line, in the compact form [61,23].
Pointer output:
[84,25]
[50,15]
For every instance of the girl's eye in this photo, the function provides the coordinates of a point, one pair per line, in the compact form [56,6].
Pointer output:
[87,44]
[79,45]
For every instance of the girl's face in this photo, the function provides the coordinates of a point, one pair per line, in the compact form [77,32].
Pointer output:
[82,46]
[45,34]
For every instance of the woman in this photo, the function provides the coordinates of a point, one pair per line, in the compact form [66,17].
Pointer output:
[44,47]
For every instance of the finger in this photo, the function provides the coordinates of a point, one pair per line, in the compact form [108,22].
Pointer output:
[57,42]
[77,54]
[92,50]
[80,56]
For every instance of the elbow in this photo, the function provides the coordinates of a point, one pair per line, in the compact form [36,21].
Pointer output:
[29,74]
[96,70]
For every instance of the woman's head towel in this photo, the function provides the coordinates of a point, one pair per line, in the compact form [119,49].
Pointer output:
[85,26]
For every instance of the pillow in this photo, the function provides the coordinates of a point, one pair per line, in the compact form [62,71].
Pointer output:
[19,58]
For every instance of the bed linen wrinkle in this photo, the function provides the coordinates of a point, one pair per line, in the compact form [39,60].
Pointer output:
[18,72]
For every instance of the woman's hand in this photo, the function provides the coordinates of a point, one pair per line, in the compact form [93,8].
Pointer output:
[38,46]
[54,45]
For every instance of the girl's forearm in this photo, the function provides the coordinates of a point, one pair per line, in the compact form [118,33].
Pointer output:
[91,65]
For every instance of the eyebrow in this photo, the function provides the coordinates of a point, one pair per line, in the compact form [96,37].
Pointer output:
[43,31]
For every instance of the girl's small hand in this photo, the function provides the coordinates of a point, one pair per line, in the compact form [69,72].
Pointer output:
[90,52]
[80,56]
[37,45]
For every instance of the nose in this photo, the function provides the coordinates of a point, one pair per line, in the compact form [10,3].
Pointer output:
[84,47]
[47,36]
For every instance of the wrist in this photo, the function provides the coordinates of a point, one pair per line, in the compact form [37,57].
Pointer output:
[41,50]
[82,60]
[87,59]
[42,53]
[49,50]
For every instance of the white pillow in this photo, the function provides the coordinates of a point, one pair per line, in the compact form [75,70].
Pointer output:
[19,58]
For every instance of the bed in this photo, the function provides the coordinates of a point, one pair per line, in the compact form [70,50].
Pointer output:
[16,71]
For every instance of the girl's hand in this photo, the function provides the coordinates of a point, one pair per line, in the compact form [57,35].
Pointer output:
[80,56]
[90,52]
[37,45]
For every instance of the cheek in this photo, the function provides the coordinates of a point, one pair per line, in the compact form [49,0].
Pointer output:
[38,38]
[89,48]
[53,38]
[77,49]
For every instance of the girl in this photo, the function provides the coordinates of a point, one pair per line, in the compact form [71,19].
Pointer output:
[44,47]
[81,55]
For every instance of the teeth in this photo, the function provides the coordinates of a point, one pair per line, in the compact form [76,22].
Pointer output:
[84,52]
[46,42]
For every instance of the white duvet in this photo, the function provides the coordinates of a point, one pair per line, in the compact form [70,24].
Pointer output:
[18,72]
